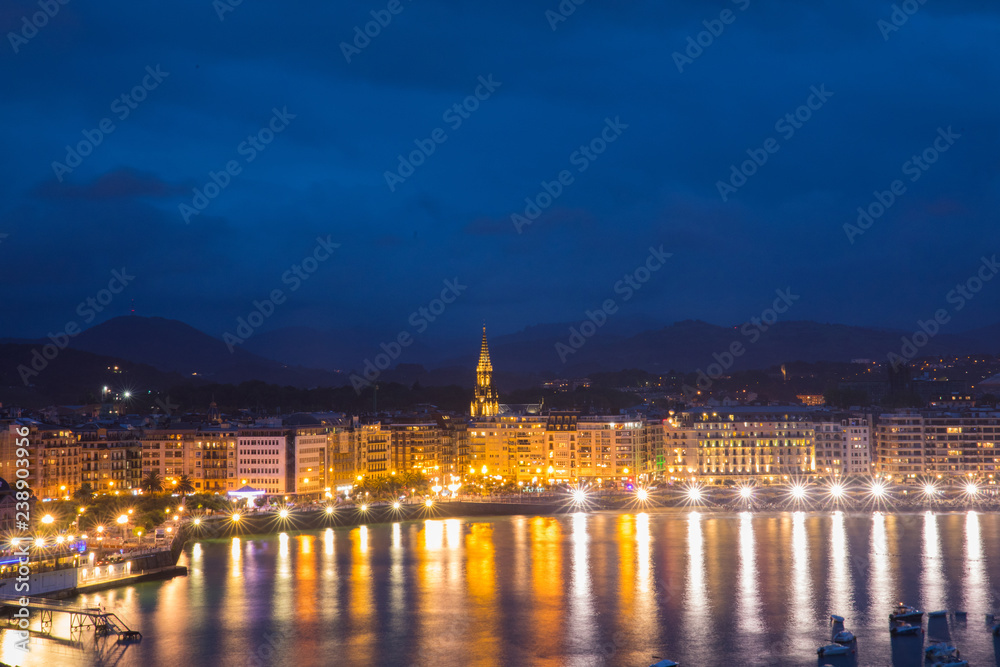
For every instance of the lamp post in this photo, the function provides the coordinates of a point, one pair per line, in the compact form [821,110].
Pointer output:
[122,520]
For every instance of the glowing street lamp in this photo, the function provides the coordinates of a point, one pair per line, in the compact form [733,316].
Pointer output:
[694,494]
[329,509]
[122,520]
[878,489]
[283,514]
[971,489]
[798,492]
[837,490]
[48,519]
[428,502]
[236,516]
[746,492]
[642,495]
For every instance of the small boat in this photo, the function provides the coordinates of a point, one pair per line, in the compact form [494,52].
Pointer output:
[904,613]
[836,619]
[937,614]
[832,649]
[845,638]
[905,629]
[665,663]
[940,652]
[961,615]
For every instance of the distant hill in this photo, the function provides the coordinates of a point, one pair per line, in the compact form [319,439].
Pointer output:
[692,344]
[173,346]
[160,353]
[73,377]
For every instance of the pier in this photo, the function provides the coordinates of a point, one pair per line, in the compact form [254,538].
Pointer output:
[80,618]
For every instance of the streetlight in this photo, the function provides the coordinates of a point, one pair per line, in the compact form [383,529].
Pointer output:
[122,520]
[48,519]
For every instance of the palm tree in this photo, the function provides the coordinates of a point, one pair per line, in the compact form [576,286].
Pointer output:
[84,493]
[184,485]
[152,483]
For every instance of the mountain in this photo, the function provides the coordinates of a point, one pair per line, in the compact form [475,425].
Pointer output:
[173,346]
[160,353]
[337,350]
[692,344]
[71,376]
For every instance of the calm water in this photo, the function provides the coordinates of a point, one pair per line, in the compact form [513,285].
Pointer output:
[594,589]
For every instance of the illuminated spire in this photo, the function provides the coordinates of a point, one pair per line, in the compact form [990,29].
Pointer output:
[485,402]
[484,356]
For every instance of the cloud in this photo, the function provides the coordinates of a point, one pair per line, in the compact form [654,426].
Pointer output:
[123,183]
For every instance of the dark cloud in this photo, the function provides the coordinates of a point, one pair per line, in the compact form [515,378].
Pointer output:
[655,184]
[118,184]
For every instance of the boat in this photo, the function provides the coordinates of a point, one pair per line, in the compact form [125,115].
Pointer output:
[836,619]
[845,637]
[961,615]
[904,613]
[905,629]
[937,614]
[665,663]
[940,652]
[832,649]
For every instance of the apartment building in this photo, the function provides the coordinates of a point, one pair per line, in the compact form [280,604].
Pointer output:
[265,459]
[53,457]
[768,442]
[944,444]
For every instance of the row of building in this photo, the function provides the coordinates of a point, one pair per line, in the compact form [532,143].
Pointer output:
[313,454]
[310,454]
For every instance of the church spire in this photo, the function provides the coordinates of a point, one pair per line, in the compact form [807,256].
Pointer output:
[484,355]
[485,402]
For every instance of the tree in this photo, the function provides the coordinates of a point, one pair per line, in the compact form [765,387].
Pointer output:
[152,483]
[84,493]
[184,485]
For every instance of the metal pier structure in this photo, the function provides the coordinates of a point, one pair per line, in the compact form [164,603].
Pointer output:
[80,618]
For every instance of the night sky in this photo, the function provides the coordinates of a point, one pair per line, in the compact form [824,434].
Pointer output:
[669,137]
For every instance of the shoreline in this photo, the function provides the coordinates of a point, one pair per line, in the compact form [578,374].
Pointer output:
[269,523]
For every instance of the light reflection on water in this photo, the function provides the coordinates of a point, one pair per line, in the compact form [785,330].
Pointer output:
[581,589]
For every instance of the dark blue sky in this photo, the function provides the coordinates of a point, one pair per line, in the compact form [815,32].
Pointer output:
[656,184]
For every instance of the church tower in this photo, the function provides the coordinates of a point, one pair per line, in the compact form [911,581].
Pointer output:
[485,402]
